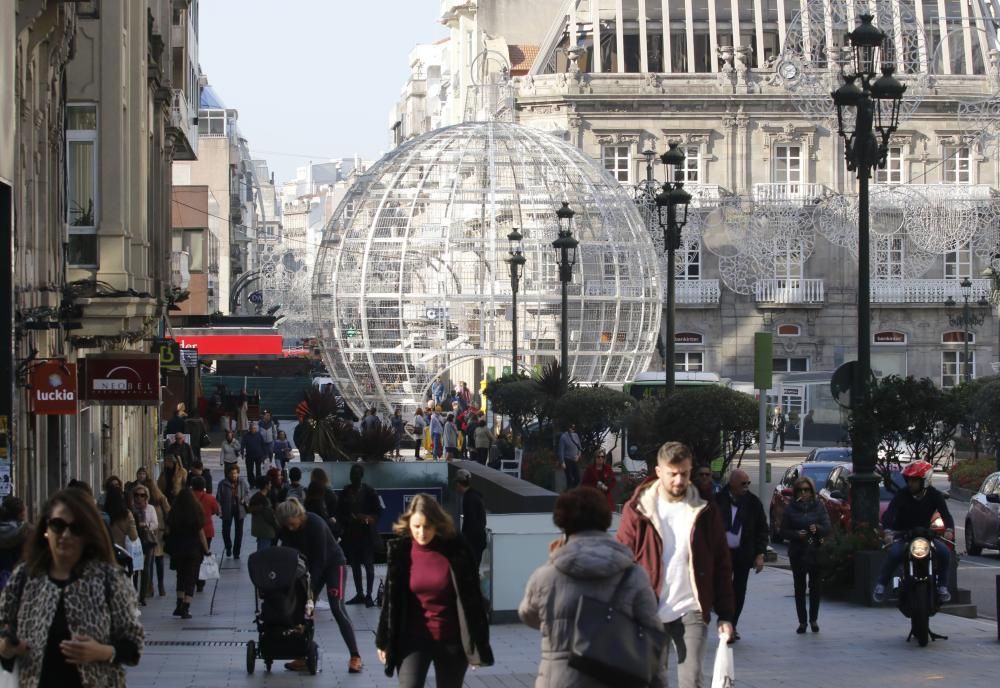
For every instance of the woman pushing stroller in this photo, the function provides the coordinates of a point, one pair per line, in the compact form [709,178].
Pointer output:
[311,536]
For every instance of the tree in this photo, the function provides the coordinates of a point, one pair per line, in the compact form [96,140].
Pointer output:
[519,398]
[884,416]
[643,429]
[715,422]
[595,411]
[985,410]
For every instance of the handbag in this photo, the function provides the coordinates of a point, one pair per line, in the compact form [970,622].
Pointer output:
[724,672]
[209,569]
[611,646]
[205,441]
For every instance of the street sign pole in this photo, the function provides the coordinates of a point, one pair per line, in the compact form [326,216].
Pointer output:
[763,373]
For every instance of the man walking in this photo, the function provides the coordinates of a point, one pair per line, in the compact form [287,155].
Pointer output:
[254,451]
[569,455]
[182,450]
[778,423]
[746,534]
[678,538]
[473,515]
[268,429]
[233,495]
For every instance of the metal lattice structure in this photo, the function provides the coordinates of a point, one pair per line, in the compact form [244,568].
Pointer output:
[286,280]
[410,280]
[815,52]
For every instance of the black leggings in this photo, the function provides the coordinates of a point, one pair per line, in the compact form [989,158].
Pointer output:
[187,566]
[333,579]
[362,551]
[450,665]
[800,570]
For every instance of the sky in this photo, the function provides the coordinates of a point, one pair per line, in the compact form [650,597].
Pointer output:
[312,79]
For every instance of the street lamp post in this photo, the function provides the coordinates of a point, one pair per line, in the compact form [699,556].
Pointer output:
[994,277]
[862,111]
[565,246]
[515,261]
[671,199]
[968,319]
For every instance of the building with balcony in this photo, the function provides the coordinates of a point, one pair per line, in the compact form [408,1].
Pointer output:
[226,167]
[770,245]
[196,226]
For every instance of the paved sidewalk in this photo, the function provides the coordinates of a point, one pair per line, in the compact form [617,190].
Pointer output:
[856,646]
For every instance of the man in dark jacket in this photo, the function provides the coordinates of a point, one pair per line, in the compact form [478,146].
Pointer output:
[198,469]
[473,516]
[182,450]
[254,449]
[311,536]
[678,538]
[746,534]
[360,507]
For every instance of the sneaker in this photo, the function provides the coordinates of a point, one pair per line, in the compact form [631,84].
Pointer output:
[322,605]
[943,595]
[878,594]
[355,665]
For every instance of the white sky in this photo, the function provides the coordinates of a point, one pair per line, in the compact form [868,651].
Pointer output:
[312,79]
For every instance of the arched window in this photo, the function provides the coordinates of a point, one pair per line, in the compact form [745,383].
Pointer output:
[958,337]
[789,330]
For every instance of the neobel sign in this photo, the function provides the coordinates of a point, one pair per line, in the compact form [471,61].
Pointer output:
[53,389]
[121,378]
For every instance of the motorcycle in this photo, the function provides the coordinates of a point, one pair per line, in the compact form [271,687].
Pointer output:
[917,587]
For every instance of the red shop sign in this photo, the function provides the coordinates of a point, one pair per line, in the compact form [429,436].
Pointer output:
[121,378]
[53,389]
[210,345]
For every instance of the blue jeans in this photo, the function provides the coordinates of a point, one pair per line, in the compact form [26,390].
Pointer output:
[436,444]
[572,469]
[897,551]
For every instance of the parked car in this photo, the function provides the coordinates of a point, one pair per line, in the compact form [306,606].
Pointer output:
[982,523]
[829,454]
[837,496]
[820,473]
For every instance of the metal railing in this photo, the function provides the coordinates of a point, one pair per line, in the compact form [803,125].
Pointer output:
[930,291]
[789,291]
[790,192]
[699,291]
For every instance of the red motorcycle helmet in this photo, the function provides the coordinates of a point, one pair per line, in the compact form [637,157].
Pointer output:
[919,470]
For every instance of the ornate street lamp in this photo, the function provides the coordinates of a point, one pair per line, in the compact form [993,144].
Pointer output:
[968,319]
[672,205]
[866,103]
[565,246]
[515,261]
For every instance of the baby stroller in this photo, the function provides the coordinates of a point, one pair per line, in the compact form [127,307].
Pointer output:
[284,628]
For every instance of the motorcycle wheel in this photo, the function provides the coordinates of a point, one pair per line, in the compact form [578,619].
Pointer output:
[920,613]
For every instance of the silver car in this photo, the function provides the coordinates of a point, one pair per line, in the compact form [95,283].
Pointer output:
[982,525]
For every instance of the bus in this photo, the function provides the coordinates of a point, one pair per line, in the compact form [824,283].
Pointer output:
[652,384]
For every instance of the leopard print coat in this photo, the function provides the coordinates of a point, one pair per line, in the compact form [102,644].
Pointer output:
[30,614]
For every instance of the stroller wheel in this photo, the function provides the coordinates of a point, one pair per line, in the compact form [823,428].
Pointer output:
[251,656]
[312,659]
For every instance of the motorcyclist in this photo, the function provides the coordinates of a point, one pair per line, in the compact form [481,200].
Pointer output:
[911,508]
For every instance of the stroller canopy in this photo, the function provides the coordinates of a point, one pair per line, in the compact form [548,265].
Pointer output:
[276,568]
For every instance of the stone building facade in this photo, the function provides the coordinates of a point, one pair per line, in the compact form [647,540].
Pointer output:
[725,96]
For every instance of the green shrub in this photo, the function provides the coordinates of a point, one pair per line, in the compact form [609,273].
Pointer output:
[539,467]
[836,556]
[969,474]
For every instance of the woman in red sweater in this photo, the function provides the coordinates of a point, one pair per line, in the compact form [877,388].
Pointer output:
[601,476]
[430,583]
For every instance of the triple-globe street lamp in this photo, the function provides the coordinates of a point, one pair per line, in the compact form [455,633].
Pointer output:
[565,246]
[515,262]
[969,318]
[866,104]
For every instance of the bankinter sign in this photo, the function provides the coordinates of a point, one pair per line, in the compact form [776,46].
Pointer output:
[53,389]
[121,378]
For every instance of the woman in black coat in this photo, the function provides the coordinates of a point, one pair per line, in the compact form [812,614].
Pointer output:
[804,525]
[433,611]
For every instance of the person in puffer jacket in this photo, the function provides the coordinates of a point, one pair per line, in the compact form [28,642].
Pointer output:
[585,561]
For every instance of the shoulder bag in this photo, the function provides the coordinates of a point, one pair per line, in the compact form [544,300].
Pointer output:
[611,646]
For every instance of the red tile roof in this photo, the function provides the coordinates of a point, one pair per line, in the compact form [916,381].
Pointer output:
[521,58]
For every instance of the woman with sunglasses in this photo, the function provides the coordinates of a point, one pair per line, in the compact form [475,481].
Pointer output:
[68,614]
[601,476]
[147,524]
[804,525]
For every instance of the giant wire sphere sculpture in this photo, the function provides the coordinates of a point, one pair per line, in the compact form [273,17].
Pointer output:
[410,281]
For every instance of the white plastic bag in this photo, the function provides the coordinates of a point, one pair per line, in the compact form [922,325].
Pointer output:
[209,569]
[134,548]
[724,673]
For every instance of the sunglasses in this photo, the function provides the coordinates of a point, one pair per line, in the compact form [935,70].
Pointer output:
[59,526]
